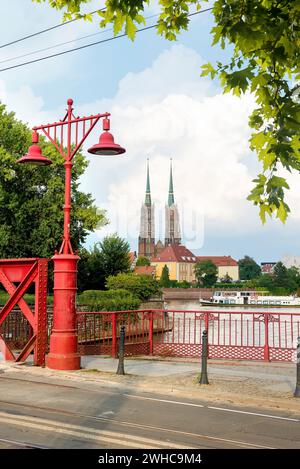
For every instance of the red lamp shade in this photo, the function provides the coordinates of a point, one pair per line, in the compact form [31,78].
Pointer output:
[106,146]
[34,156]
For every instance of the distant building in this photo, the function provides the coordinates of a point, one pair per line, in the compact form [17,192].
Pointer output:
[147,226]
[226,266]
[291,261]
[159,247]
[179,260]
[172,225]
[146,243]
[267,267]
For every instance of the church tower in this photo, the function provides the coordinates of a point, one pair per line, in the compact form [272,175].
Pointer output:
[147,227]
[172,225]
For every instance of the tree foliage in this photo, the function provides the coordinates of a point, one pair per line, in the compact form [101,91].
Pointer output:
[109,257]
[141,286]
[282,282]
[165,277]
[206,273]
[265,35]
[31,198]
[142,260]
[248,268]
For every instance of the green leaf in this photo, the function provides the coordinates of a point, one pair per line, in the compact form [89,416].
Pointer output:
[208,69]
[282,212]
[258,140]
[130,28]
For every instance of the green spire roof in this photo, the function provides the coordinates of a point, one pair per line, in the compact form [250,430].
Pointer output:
[148,193]
[171,200]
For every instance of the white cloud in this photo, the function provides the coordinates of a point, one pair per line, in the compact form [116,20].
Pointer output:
[176,70]
[168,111]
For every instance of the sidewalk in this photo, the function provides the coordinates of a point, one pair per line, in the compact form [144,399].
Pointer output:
[256,384]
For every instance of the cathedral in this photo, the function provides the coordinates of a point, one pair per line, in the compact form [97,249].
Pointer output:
[147,246]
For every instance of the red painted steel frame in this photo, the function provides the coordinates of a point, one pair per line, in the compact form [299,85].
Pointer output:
[63,342]
[25,272]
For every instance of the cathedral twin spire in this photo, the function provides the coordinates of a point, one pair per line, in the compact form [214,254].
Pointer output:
[147,245]
[148,192]
[171,200]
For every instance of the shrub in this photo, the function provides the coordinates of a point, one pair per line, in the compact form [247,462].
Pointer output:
[109,300]
[231,286]
[141,286]
[183,284]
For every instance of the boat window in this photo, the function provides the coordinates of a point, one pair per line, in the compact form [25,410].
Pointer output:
[265,302]
[232,302]
[278,302]
[252,302]
[258,302]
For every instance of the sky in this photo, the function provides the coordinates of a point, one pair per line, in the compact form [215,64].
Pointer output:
[160,109]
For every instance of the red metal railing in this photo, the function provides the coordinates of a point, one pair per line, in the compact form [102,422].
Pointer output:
[238,335]
[99,332]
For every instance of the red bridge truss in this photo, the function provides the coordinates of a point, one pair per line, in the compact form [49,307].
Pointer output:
[16,276]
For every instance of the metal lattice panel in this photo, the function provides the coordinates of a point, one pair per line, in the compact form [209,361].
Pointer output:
[177,350]
[236,352]
[282,355]
[142,348]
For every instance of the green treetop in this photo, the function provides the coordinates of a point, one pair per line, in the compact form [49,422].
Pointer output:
[165,277]
[142,260]
[248,268]
[206,273]
[109,257]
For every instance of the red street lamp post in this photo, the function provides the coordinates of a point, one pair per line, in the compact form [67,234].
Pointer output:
[63,341]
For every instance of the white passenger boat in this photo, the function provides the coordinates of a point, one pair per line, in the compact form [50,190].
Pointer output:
[251,298]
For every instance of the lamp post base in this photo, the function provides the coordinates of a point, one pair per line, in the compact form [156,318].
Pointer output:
[63,362]
[63,340]
[63,351]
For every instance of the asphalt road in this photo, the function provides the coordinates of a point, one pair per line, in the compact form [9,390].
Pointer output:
[60,414]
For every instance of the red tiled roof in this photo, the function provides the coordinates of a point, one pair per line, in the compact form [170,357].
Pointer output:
[145,269]
[175,253]
[219,261]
